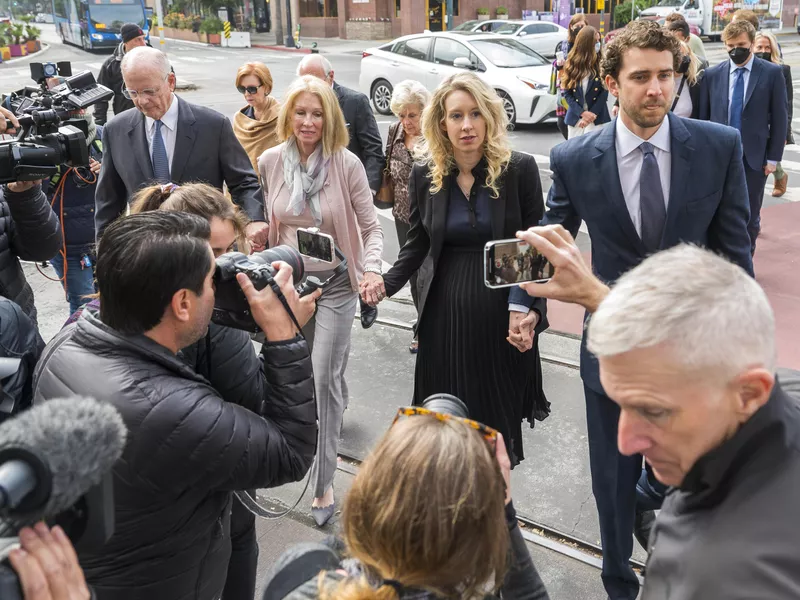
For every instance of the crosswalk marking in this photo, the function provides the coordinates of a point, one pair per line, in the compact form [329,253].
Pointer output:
[95,65]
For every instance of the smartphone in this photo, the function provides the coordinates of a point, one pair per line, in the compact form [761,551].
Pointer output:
[509,262]
[560,56]
[313,244]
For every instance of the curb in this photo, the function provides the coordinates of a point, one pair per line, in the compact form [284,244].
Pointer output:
[282,49]
[45,48]
[185,85]
[177,41]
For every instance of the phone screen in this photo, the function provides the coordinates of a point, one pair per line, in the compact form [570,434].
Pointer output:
[315,245]
[509,262]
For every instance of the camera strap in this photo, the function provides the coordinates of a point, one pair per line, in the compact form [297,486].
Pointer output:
[277,290]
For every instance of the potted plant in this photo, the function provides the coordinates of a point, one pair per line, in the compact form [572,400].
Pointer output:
[5,51]
[17,33]
[32,34]
[483,14]
[212,27]
[502,12]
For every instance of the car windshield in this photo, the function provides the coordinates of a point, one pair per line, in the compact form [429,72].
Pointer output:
[508,54]
[671,3]
[508,28]
[466,26]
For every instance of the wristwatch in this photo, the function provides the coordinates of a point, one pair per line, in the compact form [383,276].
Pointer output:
[375,270]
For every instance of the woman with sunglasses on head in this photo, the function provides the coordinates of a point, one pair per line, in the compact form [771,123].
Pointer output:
[466,189]
[255,125]
[428,516]
[766,48]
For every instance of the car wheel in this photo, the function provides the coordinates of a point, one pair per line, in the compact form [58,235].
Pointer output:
[382,96]
[508,105]
[85,44]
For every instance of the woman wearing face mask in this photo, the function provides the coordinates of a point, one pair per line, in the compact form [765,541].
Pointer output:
[576,23]
[409,99]
[255,125]
[766,48]
[686,102]
[583,87]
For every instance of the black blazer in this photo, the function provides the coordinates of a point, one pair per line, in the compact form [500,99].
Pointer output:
[365,139]
[787,76]
[519,206]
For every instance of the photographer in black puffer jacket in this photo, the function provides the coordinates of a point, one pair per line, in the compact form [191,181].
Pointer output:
[188,448]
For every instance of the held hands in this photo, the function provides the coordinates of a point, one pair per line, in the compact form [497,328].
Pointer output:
[47,565]
[520,329]
[372,289]
[258,235]
[573,280]
[588,116]
[268,311]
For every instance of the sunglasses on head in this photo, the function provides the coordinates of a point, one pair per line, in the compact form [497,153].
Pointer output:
[250,89]
[489,434]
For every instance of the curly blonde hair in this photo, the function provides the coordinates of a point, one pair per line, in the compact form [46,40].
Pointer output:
[437,151]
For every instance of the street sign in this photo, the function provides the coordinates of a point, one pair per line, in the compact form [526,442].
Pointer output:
[601,4]
[226,28]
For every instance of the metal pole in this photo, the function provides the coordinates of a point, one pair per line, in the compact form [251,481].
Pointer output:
[289,37]
[278,22]
[449,15]
[160,15]
[633,8]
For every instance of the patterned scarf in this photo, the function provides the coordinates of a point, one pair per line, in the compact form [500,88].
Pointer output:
[304,183]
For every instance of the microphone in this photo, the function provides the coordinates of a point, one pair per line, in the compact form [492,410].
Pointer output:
[54,453]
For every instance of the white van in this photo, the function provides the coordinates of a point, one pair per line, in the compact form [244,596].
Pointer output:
[696,12]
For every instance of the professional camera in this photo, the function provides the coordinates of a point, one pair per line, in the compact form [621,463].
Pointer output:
[48,136]
[231,308]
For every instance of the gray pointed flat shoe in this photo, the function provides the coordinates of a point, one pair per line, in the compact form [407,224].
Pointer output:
[323,514]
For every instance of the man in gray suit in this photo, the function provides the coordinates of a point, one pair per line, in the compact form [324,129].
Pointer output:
[170,140]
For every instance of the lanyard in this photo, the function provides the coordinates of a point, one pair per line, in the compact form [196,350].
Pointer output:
[678,95]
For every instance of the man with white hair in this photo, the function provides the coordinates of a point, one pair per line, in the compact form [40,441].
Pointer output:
[365,139]
[686,347]
[169,140]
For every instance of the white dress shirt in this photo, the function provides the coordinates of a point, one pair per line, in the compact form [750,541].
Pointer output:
[684,106]
[169,130]
[732,80]
[629,164]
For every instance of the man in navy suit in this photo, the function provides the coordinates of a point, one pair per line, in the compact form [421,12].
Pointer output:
[647,181]
[748,94]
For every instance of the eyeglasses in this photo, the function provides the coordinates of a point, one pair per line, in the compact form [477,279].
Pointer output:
[250,89]
[148,93]
[489,434]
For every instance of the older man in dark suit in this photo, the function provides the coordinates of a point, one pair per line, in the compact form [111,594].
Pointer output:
[365,139]
[170,140]
[749,94]
[646,182]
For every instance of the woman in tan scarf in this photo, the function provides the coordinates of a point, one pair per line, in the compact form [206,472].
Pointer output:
[254,125]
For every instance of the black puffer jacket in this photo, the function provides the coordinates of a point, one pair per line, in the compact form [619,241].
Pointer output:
[187,450]
[111,76]
[29,230]
[20,339]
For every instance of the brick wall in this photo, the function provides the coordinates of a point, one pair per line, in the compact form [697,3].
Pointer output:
[369,30]
[319,27]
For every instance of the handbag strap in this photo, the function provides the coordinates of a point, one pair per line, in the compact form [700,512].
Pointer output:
[390,144]
[678,95]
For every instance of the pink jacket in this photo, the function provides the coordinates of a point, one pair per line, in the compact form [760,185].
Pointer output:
[346,190]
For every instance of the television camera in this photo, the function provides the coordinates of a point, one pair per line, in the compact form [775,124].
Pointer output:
[48,135]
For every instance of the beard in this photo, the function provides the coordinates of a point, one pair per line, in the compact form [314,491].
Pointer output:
[643,116]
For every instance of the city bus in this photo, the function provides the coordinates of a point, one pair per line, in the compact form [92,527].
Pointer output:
[95,23]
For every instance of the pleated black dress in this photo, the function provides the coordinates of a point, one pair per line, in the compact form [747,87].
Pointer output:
[462,337]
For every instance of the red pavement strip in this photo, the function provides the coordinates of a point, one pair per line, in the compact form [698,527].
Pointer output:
[777,266]
[283,49]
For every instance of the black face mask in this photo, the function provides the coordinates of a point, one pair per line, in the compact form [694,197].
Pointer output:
[739,56]
[764,56]
[683,68]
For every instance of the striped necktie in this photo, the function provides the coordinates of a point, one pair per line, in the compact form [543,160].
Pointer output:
[160,160]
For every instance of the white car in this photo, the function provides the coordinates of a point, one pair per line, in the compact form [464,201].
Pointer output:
[520,76]
[541,36]
[487,26]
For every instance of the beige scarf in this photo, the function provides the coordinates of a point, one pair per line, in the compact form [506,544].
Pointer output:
[256,136]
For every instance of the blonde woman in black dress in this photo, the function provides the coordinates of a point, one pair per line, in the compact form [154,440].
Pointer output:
[476,343]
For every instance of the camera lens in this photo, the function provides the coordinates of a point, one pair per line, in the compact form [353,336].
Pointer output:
[286,254]
[447,404]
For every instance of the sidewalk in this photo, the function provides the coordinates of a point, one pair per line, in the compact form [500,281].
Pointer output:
[324,45]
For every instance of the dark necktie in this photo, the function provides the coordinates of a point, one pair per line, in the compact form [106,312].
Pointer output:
[737,100]
[160,160]
[651,200]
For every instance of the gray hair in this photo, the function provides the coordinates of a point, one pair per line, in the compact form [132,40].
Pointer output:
[147,57]
[409,92]
[710,313]
[315,60]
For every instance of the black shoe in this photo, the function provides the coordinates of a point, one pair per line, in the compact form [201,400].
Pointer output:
[643,525]
[368,315]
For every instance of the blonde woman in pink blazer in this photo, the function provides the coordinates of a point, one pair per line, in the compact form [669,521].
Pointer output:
[312,180]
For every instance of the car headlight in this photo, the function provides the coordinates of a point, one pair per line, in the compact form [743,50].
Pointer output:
[97,36]
[533,85]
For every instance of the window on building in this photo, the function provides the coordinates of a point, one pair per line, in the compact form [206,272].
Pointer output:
[396,8]
[548,5]
[319,8]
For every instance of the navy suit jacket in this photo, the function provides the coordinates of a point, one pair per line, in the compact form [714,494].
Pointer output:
[764,117]
[707,205]
[596,102]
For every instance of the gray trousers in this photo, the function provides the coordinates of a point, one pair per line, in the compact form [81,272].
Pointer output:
[328,336]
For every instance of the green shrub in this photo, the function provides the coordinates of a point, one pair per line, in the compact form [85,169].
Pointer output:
[211,25]
[502,10]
